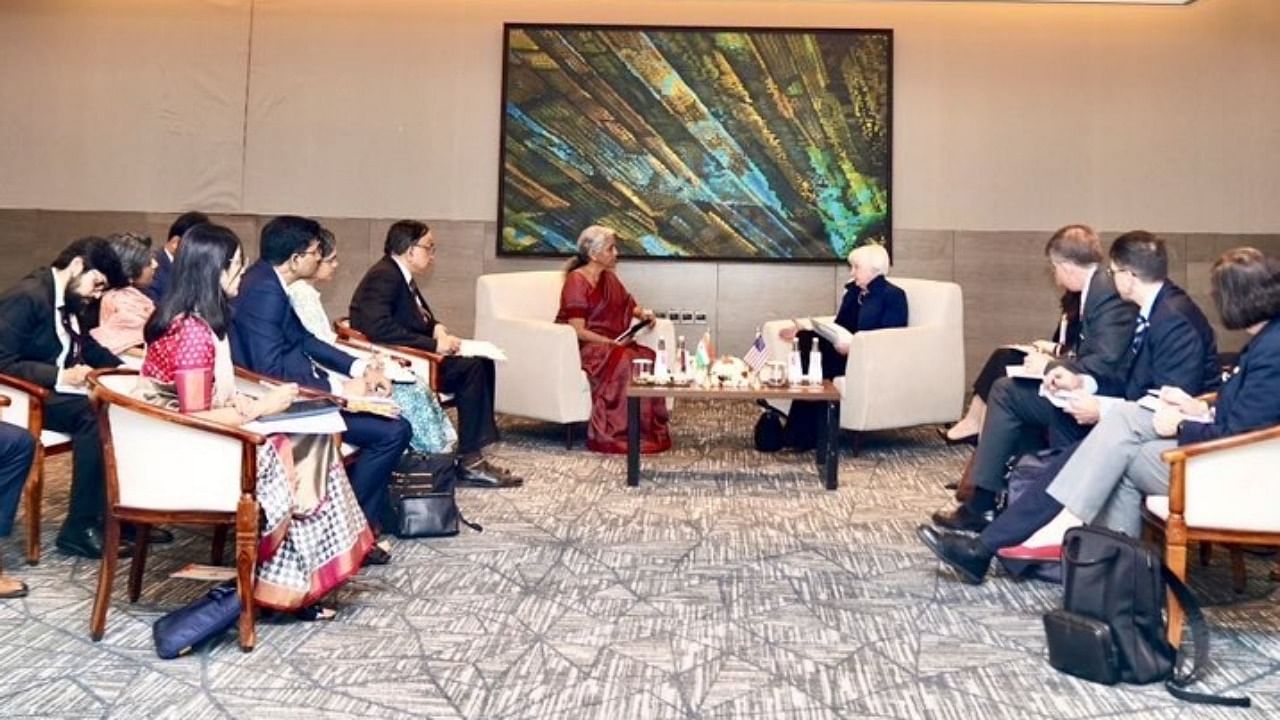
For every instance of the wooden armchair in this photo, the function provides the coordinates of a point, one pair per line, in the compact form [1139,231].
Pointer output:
[27,408]
[151,479]
[1220,491]
[421,362]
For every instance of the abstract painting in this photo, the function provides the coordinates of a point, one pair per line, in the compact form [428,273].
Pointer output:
[701,143]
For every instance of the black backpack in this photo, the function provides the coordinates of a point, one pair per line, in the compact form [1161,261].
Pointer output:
[1111,627]
[769,432]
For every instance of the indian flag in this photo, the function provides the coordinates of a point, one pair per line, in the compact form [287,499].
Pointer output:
[705,353]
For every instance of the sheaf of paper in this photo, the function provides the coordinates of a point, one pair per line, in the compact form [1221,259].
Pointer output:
[1153,403]
[481,348]
[1022,373]
[322,424]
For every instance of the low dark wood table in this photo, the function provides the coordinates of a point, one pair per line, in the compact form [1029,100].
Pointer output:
[826,392]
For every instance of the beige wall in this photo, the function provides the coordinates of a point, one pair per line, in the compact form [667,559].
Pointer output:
[1009,120]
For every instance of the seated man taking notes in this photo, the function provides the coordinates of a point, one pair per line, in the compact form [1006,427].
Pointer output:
[388,307]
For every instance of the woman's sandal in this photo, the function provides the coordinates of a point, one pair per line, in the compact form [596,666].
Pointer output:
[19,592]
[315,612]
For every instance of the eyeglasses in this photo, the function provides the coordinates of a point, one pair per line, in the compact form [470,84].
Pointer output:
[331,260]
[1112,271]
[428,249]
[312,251]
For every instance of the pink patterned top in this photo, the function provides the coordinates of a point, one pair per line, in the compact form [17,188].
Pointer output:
[189,345]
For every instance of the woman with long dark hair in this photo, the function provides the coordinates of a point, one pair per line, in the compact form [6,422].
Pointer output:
[314,536]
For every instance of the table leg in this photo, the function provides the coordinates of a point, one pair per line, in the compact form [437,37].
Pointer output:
[831,462]
[633,441]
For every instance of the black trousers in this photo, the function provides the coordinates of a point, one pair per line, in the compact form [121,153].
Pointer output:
[381,441]
[471,381]
[807,421]
[994,370]
[833,363]
[1018,420]
[73,415]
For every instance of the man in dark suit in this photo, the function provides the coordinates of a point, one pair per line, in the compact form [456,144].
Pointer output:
[267,337]
[17,450]
[41,342]
[1018,417]
[389,308]
[166,254]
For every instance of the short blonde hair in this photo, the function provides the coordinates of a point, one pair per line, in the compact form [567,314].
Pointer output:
[872,256]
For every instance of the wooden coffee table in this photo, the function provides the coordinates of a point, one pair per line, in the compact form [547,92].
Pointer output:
[822,393]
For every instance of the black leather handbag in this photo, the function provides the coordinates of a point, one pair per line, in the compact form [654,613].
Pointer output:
[768,433]
[178,632]
[422,501]
[1111,627]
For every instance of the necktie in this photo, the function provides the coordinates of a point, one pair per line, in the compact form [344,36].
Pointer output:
[75,349]
[422,302]
[1139,333]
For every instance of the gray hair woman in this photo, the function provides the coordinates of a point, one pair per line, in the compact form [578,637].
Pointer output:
[598,307]
[125,309]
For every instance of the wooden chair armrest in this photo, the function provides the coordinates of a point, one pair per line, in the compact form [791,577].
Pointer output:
[102,393]
[1180,454]
[38,393]
[5,401]
[303,391]
[400,352]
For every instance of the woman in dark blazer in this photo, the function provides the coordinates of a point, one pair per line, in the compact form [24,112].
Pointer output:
[870,302]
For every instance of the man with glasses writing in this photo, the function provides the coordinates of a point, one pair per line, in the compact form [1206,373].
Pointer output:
[42,342]
[390,309]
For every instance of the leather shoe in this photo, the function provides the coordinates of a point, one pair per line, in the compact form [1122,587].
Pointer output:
[963,553]
[157,536]
[19,592]
[88,543]
[961,518]
[482,475]
[966,440]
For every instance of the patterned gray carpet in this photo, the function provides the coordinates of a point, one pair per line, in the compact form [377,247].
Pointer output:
[729,585]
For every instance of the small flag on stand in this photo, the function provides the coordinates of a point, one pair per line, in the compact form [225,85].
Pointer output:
[705,352]
[756,355]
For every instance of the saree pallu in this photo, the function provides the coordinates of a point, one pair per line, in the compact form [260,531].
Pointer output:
[608,371]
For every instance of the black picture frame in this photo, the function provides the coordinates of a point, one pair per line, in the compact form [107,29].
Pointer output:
[508,238]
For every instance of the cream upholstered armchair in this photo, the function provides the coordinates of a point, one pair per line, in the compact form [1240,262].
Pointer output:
[900,377]
[26,409]
[1220,491]
[151,479]
[542,378]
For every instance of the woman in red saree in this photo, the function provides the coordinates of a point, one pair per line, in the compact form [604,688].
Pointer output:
[598,308]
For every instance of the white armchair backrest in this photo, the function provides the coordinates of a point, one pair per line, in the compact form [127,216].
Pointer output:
[526,295]
[1235,488]
[930,302]
[163,465]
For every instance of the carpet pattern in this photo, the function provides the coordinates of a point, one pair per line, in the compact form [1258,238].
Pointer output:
[728,585]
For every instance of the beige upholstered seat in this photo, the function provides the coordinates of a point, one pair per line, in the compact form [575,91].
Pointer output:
[26,409]
[165,467]
[900,377]
[542,378]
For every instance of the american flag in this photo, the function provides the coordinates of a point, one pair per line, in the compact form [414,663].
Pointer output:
[756,355]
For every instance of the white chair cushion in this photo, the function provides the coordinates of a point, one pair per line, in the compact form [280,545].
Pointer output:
[50,438]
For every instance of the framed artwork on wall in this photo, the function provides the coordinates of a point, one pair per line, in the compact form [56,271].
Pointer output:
[768,144]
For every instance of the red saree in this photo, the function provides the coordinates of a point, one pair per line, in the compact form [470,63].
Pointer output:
[607,309]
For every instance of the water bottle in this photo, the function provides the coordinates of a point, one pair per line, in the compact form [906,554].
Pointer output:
[795,375]
[815,367]
[682,358]
[661,373]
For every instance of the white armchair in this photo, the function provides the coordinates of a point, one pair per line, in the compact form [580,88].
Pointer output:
[151,479]
[1220,491]
[26,409]
[900,377]
[542,378]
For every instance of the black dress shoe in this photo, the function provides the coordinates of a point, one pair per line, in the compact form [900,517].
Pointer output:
[963,553]
[483,476]
[88,543]
[966,440]
[157,536]
[377,556]
[961,518]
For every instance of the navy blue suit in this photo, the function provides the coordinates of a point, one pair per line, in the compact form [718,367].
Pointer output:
[1250,399]
[1178,349]
[883,305]
[160,282]
[17,449]
[267,337]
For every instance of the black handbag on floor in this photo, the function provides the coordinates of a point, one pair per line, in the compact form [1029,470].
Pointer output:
[768,433]
[1111,627]
[422,502]
[178,632]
